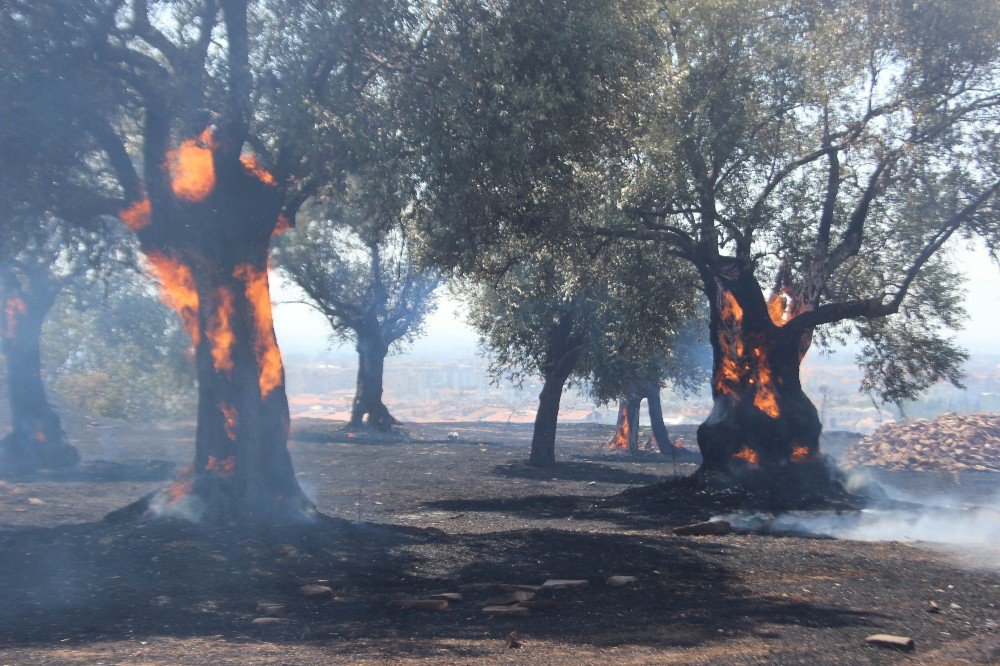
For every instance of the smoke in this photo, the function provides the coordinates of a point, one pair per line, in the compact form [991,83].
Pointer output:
[937,520]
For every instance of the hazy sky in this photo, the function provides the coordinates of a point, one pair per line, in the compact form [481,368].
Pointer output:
[302,330]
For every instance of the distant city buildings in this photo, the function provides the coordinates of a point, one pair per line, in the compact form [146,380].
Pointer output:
[460,390]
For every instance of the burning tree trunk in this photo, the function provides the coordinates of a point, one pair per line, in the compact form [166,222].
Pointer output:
[761,419]
[368,392]
[660,433]
[36,440]
[206,233]
[627,428]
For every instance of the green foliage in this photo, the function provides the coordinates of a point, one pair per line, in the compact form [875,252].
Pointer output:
[116,351]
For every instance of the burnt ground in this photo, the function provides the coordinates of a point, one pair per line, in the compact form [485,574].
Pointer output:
[431,515]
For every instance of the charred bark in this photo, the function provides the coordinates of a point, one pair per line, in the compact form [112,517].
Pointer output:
[659,428]
[36,440]
[206,236]
[627,427]
[762,425]
[368,391]
[543,438]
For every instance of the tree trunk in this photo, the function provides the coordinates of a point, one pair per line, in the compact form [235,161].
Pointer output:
[762,425]
[368,392]
[36,440]
[543,439]
[659,428]
[207,242]
[627,427]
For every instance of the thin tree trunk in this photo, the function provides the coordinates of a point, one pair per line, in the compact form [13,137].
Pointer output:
[659,428]
[761,420]
[543,438]
[36,440]
[368,392]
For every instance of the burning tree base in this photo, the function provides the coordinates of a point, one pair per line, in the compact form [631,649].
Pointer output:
[750,489]
[209,498]
[21,453]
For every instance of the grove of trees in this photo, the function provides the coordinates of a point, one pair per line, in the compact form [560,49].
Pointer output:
[599,178]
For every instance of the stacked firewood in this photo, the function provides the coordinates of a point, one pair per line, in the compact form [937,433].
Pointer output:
[950,442]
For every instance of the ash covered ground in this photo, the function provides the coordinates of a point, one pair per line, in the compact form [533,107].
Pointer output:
[429,515]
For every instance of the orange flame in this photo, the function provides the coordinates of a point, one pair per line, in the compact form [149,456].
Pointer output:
[178,291]
[192,167]
[621,437]
[220,331]
[182,485]
[731,341]
[781,307]
[282,225]
[39,435]
[137,216]
[764,398]
[229,414]
[272,373]
[225,467]
[13,310]
[800,453]
[250,163]
[747,455]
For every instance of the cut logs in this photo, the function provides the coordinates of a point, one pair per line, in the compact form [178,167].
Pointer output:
[563,584]
[507,611]
[949,443]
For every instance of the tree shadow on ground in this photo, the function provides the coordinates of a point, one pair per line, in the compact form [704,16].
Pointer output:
[102,471]
[100,581]
[576,471]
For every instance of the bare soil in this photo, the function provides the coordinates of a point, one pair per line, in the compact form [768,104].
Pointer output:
[427,514]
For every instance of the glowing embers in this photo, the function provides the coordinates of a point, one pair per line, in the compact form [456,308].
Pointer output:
[747,455]
[178,291]
[137,216]
[265,345]
[182,485]
[220,331]
[739,370]
[801,454]
[254,168]
[229,416]
[282,225]
[223,467]
[13,309]
[192,167]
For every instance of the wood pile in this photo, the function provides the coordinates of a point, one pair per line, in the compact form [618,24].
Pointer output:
[950,442]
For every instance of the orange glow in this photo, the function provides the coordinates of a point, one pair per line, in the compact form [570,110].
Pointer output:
[282,225]
[272,373]
[764,398]
[250,163]
[225,467]
[192,167]
[220,331]
[747,455]
[620,440]
[800,453]
[182,485]
[13,309]
[39,435]
[137,216]
[229,414]
[731,341]
[781,308]
[178,291]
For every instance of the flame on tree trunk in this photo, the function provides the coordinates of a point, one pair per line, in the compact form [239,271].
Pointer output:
[368,392]
[762,424]
[206,236]
[627,427]
[36,440]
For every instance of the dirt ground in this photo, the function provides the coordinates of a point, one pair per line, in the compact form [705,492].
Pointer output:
[432,515]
